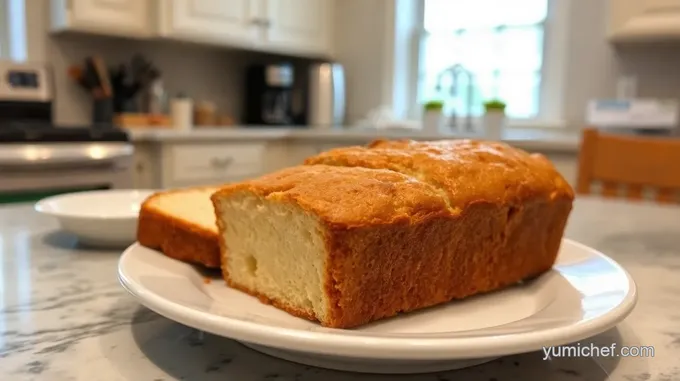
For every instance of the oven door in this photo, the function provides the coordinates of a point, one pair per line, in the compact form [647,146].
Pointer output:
[42,174]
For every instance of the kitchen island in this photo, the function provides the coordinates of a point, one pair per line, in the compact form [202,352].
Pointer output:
[64,316]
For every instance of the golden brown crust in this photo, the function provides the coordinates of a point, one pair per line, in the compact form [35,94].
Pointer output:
[175,237]
[415,224]
[466,170]
[347,196]
[485,249]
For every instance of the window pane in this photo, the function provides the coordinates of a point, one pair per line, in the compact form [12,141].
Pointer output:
[504,56]
[450,15]
[521,92]
[520,48]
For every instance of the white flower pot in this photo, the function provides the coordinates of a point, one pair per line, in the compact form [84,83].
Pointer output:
[494,124]
[433,121]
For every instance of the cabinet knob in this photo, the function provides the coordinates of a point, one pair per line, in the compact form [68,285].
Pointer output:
[261,22]
[221,162]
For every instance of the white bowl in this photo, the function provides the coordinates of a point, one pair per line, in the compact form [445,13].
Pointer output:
[97,218]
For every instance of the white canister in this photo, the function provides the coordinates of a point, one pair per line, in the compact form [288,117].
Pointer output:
[433,121]
[182,113]
[494,124]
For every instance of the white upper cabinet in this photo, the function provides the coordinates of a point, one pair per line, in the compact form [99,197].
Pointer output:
[224,22]
[111,17]
[298,25]
[644,20]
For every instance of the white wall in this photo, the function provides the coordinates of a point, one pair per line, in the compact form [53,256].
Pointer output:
[592,67]
[359,44]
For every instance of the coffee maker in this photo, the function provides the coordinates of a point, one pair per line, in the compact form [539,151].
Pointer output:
[269,94]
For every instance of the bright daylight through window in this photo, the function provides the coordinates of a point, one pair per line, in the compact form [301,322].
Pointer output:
[476,50]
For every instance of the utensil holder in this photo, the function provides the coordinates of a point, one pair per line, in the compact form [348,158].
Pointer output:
[102,112]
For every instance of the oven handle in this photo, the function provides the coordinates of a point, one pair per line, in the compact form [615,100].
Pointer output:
[34,155]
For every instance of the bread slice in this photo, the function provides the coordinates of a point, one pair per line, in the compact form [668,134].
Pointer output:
[365,233]
[181,224]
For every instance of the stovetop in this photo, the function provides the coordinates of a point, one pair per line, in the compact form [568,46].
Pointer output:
[46,133]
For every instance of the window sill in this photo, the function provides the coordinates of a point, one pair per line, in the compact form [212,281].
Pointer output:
[535,136]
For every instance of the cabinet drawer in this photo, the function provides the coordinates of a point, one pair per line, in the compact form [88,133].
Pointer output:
[216,162]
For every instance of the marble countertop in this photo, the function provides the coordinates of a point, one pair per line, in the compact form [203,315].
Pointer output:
[64,316]
[532,139]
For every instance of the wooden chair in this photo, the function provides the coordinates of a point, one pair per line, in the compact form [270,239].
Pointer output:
[630,166]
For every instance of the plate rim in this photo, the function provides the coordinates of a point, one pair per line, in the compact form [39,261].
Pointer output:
[385,348]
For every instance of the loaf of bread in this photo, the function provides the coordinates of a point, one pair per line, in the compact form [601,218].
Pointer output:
[181,224]
[364,233]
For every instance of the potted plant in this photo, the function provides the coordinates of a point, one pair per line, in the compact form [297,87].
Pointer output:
[494,118]
[433,119]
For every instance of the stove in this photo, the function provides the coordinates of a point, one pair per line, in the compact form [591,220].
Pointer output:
[22,133]
[37,157]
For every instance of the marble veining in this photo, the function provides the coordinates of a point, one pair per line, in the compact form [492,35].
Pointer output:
[64,316]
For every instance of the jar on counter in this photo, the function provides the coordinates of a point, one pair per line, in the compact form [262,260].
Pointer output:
[205,114]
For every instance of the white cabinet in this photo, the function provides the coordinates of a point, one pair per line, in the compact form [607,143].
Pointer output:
[300,25]
[283,26]
[131,18]
[644,20]
[225,22]
[296,27]
[197,164]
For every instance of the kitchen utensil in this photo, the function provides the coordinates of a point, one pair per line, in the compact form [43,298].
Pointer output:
[585,293]
[125,90]
[102,76]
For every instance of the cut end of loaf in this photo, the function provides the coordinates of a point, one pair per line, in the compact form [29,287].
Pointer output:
[181,224]
[193,205]
[274,250]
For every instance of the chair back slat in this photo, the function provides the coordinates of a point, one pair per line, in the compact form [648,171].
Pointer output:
[631,164]
[610,189]
[634,192]
[666,195]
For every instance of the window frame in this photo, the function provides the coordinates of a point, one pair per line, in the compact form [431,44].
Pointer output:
[5,49]
[553,70]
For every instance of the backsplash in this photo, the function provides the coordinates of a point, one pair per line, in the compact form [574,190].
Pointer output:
[202,72]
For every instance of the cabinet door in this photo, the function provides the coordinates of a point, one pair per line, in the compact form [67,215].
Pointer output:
[223,22]
[115,17]
[298,25]
[641,20]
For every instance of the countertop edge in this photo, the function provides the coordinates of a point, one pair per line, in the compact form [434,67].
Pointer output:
[553,141]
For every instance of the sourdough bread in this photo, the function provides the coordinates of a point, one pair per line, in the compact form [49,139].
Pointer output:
[181,224]
[363,233]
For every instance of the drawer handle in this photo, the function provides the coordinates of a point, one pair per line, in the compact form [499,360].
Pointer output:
[221,162]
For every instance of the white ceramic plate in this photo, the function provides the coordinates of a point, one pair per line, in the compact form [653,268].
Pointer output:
[97,218]
[585,294]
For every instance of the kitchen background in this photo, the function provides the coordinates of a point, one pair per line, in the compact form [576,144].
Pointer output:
[593,64]
[204,48]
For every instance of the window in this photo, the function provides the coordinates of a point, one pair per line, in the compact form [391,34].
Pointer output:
[471,51]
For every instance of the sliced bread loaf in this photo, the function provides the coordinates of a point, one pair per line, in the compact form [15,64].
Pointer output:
[361,234]
[181,224]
